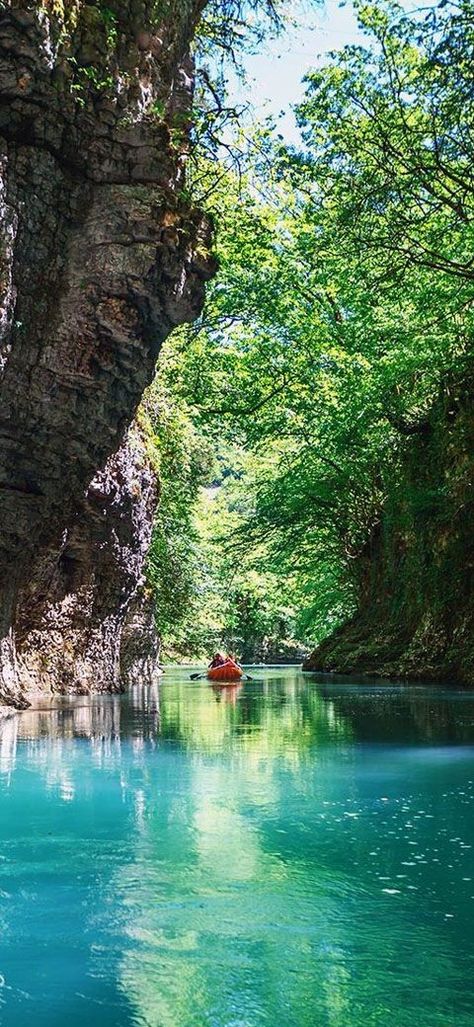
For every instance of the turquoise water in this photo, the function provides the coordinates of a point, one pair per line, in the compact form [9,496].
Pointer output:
[295,852]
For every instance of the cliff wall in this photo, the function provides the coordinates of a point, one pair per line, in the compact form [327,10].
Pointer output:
[416,575]
[100,257]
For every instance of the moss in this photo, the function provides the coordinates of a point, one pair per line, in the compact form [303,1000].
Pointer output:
[416,606]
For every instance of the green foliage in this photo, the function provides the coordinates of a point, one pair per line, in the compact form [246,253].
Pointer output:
[342,310]
[343,303]
[182,460]
[206,596]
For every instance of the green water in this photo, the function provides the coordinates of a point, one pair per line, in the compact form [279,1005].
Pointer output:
[293,853]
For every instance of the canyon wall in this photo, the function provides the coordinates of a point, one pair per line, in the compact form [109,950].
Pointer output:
[415,618]
[101,255]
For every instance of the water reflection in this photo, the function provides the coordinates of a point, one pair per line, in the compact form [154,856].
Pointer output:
[274,713]
[227,693]
[401,713]
[280,711]
[290,850]
[103,720]
[281,714]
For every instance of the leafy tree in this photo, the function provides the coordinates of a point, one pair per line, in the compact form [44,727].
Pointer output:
[344,302]
[182,460]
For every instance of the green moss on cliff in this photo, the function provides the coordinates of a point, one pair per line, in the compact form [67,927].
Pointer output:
[416,577]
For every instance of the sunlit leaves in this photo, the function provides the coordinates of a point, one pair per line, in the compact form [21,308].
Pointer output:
[343,304]
[345,290]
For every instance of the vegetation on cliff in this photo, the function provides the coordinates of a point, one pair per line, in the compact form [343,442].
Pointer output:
[335,347]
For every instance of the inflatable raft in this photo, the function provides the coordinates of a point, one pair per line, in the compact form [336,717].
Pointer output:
[228,671]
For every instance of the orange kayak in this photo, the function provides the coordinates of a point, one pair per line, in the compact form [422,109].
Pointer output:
[229,671]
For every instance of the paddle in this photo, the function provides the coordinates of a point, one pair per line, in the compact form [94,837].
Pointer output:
[196,677]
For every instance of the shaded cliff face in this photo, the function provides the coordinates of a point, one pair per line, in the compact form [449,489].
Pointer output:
[84,622]
[100,257]
[416,577]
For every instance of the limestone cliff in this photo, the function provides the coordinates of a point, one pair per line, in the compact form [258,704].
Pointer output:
[416,574]
[83,618]
[100,257]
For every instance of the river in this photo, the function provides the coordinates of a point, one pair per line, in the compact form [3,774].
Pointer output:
[294,852]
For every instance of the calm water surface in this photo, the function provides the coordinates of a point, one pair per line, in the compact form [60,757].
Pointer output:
[295,852]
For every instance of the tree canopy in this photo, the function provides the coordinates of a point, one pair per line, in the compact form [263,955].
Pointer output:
[342,305]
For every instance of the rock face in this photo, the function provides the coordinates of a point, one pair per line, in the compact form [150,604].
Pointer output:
[100,257]
[93,631]
[416,576]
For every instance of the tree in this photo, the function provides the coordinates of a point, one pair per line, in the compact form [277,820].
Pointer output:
[344,299]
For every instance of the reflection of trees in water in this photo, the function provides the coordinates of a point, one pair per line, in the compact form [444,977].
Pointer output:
[221,928]
[402,714]
[253,889]
[230,894]
[280,713]
[273,715]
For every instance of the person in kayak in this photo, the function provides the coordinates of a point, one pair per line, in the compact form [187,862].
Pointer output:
[230,658]
[218,660]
